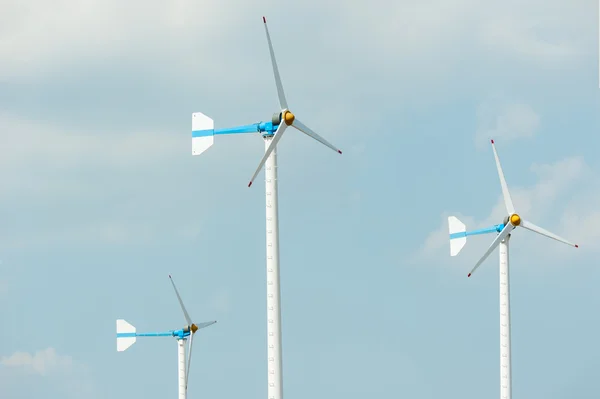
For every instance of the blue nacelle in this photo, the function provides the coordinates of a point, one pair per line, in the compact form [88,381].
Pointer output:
[267,128]
[180,334]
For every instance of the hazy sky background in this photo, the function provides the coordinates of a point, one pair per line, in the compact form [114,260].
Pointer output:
[100,197]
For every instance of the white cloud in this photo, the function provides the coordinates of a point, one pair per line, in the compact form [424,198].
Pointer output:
[42,362]
[500,119]
[38,36]
[567,181]
[555,182]
[69,377]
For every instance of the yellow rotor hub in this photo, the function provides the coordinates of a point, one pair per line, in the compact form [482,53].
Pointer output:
[194,328]
[515,219]
[288,118]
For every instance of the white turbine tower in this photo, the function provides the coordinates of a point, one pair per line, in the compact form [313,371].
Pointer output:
[458,239]
[202,138]
[127,335]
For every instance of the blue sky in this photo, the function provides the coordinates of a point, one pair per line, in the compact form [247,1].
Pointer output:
[101,198]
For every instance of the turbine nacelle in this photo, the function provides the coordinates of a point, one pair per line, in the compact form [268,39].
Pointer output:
[285,116]
[190,329]
[513,219]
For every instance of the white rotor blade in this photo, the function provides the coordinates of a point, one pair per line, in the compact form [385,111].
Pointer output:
[536,229]
[187,375]
[278,134]
[507,200]
[205,324]
[280,93]
[311,133]
[200,326]
[505,232]
[185,313]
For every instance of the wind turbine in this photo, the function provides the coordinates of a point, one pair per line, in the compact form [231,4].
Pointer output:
[126,336]
[458,239]
[203,133]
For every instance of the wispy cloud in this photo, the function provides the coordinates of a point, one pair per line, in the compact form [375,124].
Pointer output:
[62,371]
[38,36]
[42,362]
[39,39]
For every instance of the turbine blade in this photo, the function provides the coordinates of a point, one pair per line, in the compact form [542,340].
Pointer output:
[507,200]
[536,229]
[278,134]
[205,324]
[280,93]
[505,232]
[187,375]
[311,133]
[185,313]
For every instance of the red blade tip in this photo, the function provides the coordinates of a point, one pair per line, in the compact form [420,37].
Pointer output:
[469,275]
[264,20]
[339,151]
[249,184]
[576,246]
[492,141]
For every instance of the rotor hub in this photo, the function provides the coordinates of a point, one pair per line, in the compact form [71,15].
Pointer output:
[515,219]
[194,328]
[288,118]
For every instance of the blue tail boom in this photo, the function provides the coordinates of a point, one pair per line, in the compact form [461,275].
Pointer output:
[203,131]
[493,229]
[458,233]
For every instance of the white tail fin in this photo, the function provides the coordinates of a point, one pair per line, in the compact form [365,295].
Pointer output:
[125,335]
[203,130]
[457,240]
